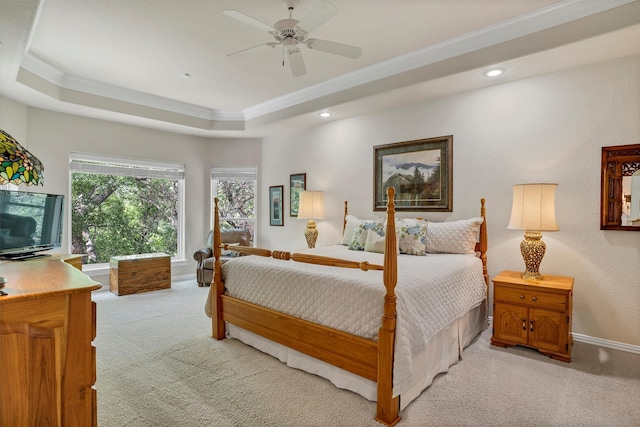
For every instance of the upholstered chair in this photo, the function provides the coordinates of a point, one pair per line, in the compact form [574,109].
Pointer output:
[204,256]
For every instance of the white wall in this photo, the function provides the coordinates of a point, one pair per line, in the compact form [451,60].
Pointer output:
[13,118]
[51,136]
[548,128]
[545,129]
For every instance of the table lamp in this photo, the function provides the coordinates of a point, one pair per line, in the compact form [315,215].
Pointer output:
[311,207]
[534,211]
[17,166]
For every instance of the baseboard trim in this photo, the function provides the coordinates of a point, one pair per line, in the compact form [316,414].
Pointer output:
[600,342]
[607,343]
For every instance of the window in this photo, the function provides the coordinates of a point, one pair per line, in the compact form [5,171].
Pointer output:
[236,190]
[125,207]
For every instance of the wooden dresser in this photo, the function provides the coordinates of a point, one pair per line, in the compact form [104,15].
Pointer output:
[47,360]
[533,313]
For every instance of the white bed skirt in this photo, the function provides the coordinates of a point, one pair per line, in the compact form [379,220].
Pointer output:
[444,350]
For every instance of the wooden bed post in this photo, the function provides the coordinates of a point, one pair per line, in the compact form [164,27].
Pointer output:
[388,407]
[483,244]
[217,323]
[344,220]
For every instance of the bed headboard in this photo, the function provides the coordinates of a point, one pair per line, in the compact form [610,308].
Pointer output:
[481,244]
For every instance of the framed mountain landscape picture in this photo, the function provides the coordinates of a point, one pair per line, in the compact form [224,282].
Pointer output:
[420,171]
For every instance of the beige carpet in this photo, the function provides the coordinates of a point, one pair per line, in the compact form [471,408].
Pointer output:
[157,366]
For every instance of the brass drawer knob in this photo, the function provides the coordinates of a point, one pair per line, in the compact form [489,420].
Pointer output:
[534,298]
[521,296]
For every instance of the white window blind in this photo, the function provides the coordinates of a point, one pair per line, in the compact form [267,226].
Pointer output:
[104,165]
[232,174]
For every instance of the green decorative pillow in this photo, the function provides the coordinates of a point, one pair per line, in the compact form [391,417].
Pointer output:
[412,236]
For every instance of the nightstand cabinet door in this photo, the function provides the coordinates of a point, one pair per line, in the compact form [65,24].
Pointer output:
[510,323]
[548,330]
[533,313]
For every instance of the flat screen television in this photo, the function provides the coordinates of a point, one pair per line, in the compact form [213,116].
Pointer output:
[29,223]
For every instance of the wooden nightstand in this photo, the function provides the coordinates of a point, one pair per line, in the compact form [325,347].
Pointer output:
[533,313]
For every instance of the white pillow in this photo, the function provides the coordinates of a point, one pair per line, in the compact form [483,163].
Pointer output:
[376,243]
[350,229]
[413,236]
[455,237]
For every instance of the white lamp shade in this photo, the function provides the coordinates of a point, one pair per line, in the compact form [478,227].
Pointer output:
[534,207]
[311,205]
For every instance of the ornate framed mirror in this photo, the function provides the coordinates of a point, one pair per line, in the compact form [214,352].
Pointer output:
[620,188]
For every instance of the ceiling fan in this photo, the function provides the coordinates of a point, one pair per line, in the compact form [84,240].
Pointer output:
[290,33]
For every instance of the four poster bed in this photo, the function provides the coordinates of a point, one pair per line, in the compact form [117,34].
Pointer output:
[328,313]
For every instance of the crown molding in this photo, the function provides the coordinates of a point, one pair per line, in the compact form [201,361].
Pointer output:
[551,16]
[58,78]
[523,25]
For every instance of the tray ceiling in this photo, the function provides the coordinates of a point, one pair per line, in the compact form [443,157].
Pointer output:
[164,63]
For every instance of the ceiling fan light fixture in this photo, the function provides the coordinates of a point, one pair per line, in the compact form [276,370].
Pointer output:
[290,32]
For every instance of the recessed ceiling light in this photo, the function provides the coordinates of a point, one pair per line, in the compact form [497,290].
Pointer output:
[325,114]
[495,72]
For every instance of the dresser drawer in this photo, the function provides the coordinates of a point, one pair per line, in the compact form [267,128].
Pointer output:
[531,297]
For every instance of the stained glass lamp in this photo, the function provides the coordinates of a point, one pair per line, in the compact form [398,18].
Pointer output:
[17,165]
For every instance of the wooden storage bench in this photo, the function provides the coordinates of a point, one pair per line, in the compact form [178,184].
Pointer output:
[131,274]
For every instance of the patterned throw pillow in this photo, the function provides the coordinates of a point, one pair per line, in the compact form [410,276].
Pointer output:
[413,236]
[455,237]
[229,252]
[360,236]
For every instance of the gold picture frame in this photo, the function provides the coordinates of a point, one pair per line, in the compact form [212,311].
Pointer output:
[420,171]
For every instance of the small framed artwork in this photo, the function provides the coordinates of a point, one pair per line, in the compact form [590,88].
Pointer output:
[298,183]
[420,171]
[276,214]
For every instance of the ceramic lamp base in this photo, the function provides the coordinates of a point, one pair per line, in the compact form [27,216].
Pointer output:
[311,234]
[532,249]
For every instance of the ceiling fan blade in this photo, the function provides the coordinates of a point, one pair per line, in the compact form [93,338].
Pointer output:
[246,19]
[335,48]
[321,13]
[296,62]
[242,52]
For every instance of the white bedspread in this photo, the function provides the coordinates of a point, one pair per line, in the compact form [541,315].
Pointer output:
[432,292]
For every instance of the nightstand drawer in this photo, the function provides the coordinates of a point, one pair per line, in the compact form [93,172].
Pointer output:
[531,297]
